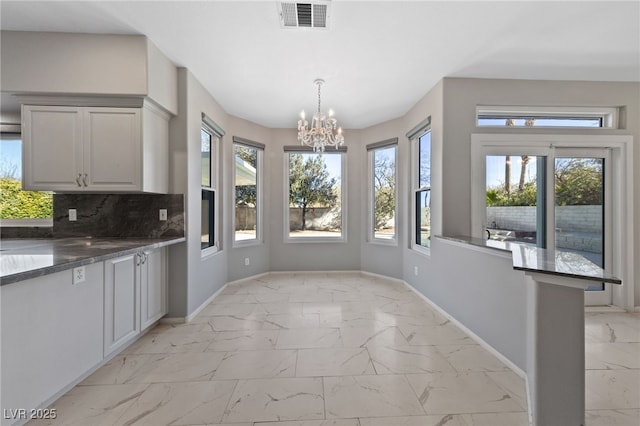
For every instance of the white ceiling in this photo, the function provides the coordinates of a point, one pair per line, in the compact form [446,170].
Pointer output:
[377,58]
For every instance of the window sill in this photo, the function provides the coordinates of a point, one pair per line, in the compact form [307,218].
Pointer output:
[421,250]
[247,243]
[322,240]
[30,223]
[209,252]
[383,242]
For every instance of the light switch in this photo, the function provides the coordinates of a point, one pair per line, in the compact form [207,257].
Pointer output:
[163,214]
[73,216]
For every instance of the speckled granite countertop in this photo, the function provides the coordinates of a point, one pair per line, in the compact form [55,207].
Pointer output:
[22,259]
[530,258]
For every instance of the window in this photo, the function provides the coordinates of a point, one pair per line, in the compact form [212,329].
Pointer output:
[382,191]
[555,192]
[519,117]
[18,207]
[420,137]
[210,135]
[514,197]
[423,192]
[314,211]
[248,191]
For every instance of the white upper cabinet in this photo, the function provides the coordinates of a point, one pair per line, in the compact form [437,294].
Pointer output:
[112,149]
[52,148]
[95,149]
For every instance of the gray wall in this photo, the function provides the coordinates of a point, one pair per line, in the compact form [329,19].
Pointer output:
[258,254]
[482,291]
[460,97]
[204,276]
[314,256]
[467,293]
[86,64]
[384,259]
[429,106]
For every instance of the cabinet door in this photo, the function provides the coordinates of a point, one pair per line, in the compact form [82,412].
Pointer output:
[112,150]
[52,148]
[121,302]
[153,287]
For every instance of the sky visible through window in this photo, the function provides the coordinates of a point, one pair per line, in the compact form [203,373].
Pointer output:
[11,157]
[496,168]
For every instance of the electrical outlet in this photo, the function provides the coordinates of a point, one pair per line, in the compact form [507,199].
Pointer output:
[415,271]
[163,214]
[78,275]
[73,215]
[246,261]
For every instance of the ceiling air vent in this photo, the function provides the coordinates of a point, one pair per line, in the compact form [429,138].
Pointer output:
[304,15]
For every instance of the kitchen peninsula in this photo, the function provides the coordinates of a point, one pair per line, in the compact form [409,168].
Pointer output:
[555,336]
[72,302]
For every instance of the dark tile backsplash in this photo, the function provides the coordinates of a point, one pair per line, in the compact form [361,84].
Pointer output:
[118,215]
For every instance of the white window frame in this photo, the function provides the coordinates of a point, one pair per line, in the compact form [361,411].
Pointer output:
[245,143]
[608,115]
[621,167]
[414,136]
[371,233]
[216,133]
[342,151]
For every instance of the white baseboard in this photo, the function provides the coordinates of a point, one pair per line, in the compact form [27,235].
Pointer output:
[383,277]
[471,334]
[349,271]
[604,309]
[252,277]
[173,320]
[520,372]
[204,304]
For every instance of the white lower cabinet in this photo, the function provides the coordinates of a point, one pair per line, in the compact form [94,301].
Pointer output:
[51,336]
[121,302]
[135,296]
[153,287]
[54,332]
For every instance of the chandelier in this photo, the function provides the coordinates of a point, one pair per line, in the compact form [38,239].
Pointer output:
[322,131]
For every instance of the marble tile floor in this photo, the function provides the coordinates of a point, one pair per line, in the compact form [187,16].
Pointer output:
[339,349]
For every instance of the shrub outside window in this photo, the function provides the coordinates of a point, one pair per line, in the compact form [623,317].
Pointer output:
[18,207]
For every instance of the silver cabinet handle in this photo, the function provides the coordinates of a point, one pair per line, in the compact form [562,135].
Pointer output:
[141,258]
[78,179]
[84,179]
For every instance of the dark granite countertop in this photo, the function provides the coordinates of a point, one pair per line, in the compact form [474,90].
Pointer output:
[534,259]
[21,259]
